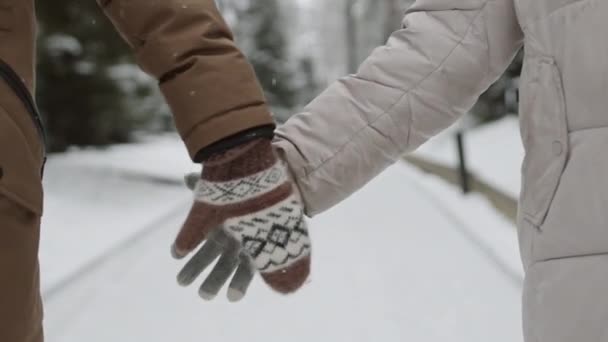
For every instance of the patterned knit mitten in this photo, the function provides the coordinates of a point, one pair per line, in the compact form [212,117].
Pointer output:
[247,192]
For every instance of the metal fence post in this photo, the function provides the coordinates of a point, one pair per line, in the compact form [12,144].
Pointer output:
[464,174]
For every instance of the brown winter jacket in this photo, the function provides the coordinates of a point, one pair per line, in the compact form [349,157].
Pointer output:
[209,85]
[207,82]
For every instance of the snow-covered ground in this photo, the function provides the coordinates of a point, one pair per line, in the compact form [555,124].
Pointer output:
[405,259]
[494,152]
[96,199]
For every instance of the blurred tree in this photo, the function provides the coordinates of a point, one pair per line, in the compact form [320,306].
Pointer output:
[394,15]
[262,35]
[352,37]
[307,86]
[84,101]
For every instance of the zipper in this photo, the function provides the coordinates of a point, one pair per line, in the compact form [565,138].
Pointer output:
[14,81]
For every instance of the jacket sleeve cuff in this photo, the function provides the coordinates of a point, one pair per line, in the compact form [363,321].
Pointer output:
[298,174]
[261,132]
[229,124]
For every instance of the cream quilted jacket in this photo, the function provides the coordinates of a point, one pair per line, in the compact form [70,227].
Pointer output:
[429,74]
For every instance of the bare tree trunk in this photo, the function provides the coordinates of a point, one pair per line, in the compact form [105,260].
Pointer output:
[352,47]
[394,14]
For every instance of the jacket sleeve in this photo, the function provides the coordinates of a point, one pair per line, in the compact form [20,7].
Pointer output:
[429,73]
[207,82]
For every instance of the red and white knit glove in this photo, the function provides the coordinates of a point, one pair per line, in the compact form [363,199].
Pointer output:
[246,192]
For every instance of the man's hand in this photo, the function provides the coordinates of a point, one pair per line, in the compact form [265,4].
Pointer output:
[249,212]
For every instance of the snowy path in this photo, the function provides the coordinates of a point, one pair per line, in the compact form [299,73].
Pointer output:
[389,265]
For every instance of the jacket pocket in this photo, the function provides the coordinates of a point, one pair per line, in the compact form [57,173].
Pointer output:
[20,179]
[20,166]
[545,137]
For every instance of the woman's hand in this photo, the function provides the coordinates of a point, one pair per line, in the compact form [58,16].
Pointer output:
[247,211]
